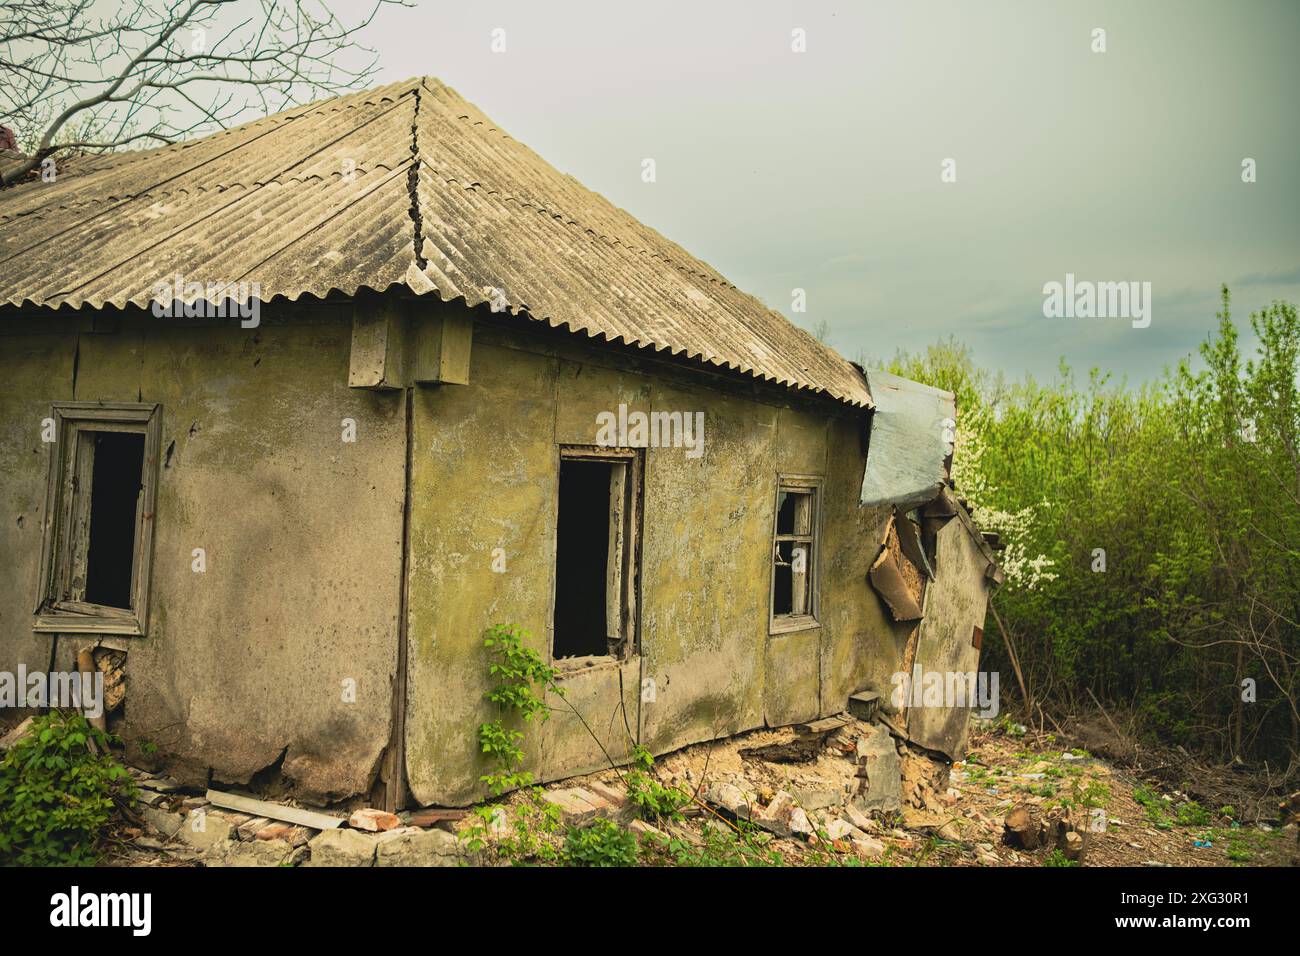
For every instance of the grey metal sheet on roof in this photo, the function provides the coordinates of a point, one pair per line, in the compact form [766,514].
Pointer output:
[406,183]
[912,429]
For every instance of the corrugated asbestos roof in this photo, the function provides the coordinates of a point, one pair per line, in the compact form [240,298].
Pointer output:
[440,200]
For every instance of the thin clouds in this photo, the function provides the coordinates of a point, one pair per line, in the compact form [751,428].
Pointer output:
[821,170]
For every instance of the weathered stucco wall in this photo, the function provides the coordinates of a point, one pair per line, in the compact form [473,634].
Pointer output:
[245,662]
[35,370]
[485,476]
[244,665]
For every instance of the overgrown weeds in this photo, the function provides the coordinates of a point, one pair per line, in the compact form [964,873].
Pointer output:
[58,787]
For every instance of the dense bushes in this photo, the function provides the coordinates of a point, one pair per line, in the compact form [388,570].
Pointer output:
[55,795]
[1153,534]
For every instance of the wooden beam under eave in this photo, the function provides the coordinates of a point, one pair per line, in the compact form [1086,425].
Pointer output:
[440,348]
[378,344]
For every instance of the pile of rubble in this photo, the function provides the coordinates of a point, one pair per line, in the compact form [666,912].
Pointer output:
[847,783]
[842,783]
[225,829]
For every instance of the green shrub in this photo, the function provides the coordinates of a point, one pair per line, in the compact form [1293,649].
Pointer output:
[515,668]
[1192,814]
[526,832]
[1057,858]
[653,801]
[55,795]
[1121,578]
[601,844]
[723,846]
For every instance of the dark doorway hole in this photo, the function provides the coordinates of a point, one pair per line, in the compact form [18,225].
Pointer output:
[114,495]
[582,547]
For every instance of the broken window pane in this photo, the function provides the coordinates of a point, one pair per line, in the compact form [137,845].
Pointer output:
[793,512]
[793,553]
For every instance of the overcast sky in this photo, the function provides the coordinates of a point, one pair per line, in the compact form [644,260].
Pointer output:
[822,170]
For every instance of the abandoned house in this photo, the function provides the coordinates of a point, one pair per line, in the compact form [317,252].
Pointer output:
[292,413]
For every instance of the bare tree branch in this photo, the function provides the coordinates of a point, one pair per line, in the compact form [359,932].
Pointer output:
[75,78]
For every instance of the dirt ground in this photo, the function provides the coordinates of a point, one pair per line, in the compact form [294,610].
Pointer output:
[953,815]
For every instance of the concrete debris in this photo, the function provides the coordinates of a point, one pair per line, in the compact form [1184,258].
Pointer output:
[579,805]
[612,795]
[729,797]
[158,784]
[295,836]
[928,821]
[869,847]
[860,820]
[414,846]
[924,782]
[164,821]
[843,743]
[852,797]
[373,820]
[341,848]
[800,825]
[879,772]
[820,797]
[206,831]
[839,829]
[775,817]
[256,853]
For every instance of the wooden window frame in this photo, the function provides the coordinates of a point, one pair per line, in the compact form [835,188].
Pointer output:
[65,535]
[623,583]
[811,617]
